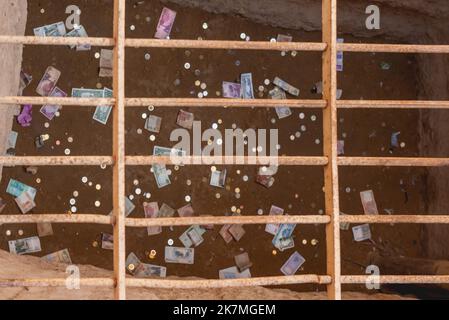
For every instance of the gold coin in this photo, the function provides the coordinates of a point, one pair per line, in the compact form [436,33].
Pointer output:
[274,252]
[95,244]
[131,267]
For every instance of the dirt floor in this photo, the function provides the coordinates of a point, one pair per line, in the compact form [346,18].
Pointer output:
[365,133]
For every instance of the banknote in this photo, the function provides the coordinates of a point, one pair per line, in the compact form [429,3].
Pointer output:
[237,231]
[144,270]
[79,32]
[107,241]
[153,124]
[25,202]
[129,206]
[48,81]
[107,58]
[394,142]
[218,178]
[102,113]
[48,110]
[166,211]
[340,147]
[340,56]
[163,151]
[186,211]
[247,90]
[265,180]
[25,246]
[132,262]
[87,93]
[179,255]
[165,24]
[151,210]
[293,264]
[25,80]
[62,256]
[281,111]
[242,261]
[44,229]
[286,86]
[361,232]
[12,140]
[368,202]
[233,273]
[16,188]
[224,233]
[284,244]
[344,225]
[185,119]
[270,227]
[339,93]
[192,236]
[284,38]
[51,30]
[231,89]
[161,175]
[284,231]
[2,206]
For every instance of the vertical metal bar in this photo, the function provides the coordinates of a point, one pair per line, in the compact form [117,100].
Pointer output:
[329,34]
[119,150]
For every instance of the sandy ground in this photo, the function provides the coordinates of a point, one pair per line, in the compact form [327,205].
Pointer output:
[10,64]
[365,133]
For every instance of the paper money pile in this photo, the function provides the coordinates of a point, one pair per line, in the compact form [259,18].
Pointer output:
[283,238]
[193,236]
[49,111]
[51,30]
[242,261]
[48,81]
[79,32]
[143,270]
[101,112]
[233,273]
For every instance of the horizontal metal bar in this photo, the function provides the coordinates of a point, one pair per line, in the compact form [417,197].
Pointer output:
[221,220]
[69,101]
[57,41]
[56,218]
[225,44]
[393,162]
[226,283]
[56,160]
[424,219]
[392,48]
[392,104]
[207,160]
[56,282]
[222,102]
[400,279]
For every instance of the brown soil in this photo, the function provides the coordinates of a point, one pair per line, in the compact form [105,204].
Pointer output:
[367,133]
